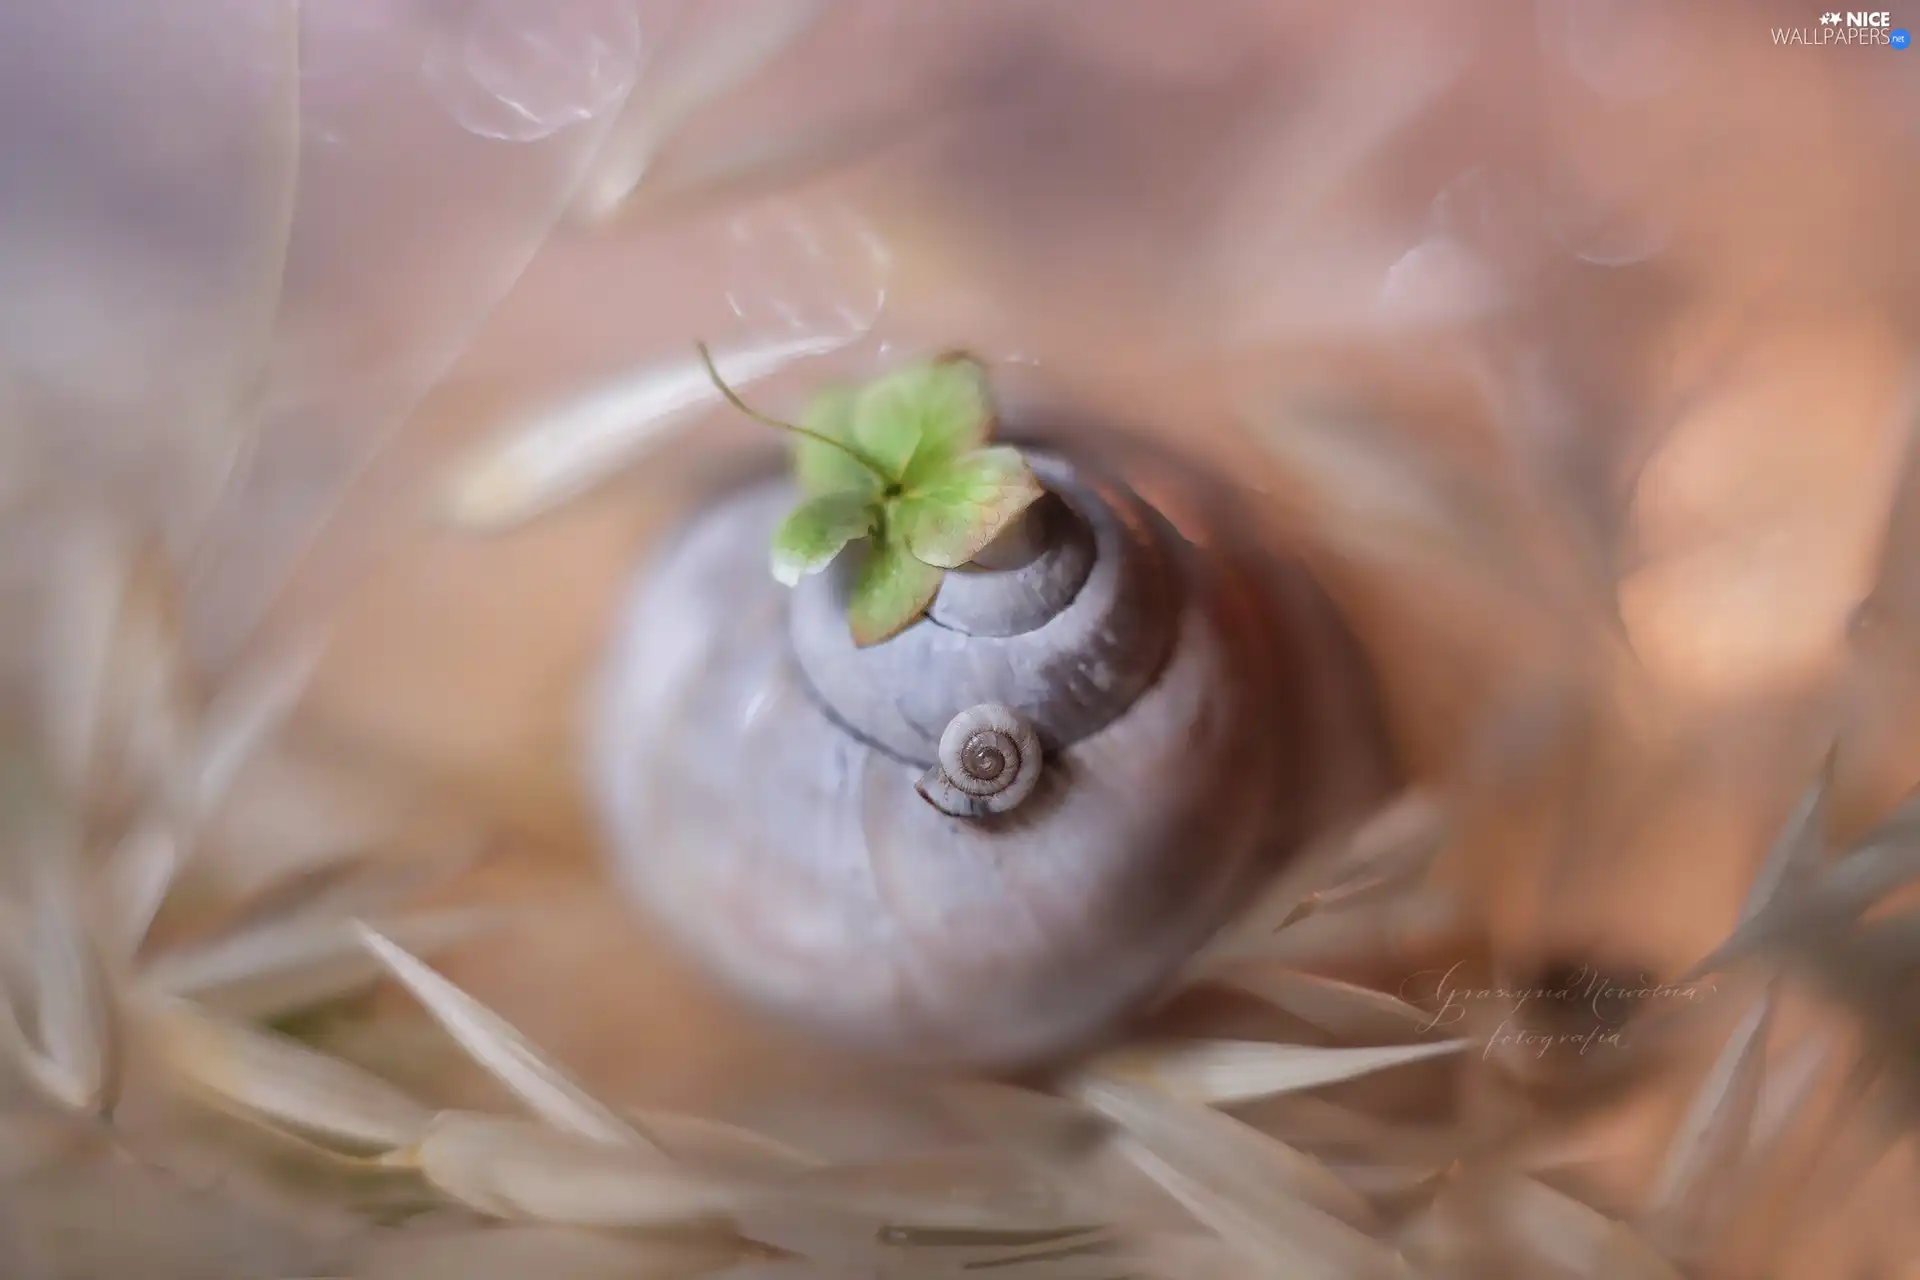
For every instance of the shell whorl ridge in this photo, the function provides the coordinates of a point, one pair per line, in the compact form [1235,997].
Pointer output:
[1068,639]
[1028,583]
[990,760]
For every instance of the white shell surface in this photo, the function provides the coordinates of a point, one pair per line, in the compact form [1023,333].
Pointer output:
[801,866]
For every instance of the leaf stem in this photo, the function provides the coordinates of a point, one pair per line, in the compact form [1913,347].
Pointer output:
[706,357]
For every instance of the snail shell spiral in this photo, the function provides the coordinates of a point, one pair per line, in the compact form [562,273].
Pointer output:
[985,840]
[989,762]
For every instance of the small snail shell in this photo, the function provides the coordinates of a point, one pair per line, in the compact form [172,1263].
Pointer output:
[1178,711]
[989,762]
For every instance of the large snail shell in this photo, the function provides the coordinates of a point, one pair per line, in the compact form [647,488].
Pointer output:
[775,796]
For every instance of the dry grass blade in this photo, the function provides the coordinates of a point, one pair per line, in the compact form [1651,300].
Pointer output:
[717,1147]
[955,1191]
[25,1056]
[509,1252]
[133,884]
[1766,918]
[1342,1008]
[1896,590]
[304,815]
[1355,892]
[1415,917]
[1393,844]
[1856,1135]
[1192,1256]
[1231,1152]
[980,1251]
[1869,873]
[1393,1182]
[1564,1233]
[1222,1072]
[1828,903]
[1900,827]
[493,1043]
[74,1053]
[274,970]
[142,710]
[518,1169]
[1786,1089]
[1449,1238]
[1310,1121]
[1042,1126]
[243,716]
[1796,850]
[565,450]
[837,1243]
[1716,1132]
[232,411]
[1284,1238]
[280,1081]
[1000,1244]
[344,887]
[87,581]
[1066,1262]
[1870,971]
[1069,1263]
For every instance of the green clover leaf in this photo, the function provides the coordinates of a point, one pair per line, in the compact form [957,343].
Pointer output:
[922,417]
[818,530]
[949,517]
[891,592]
[904,464]
[821,461]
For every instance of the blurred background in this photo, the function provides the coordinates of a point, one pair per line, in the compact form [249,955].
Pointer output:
[375,319]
